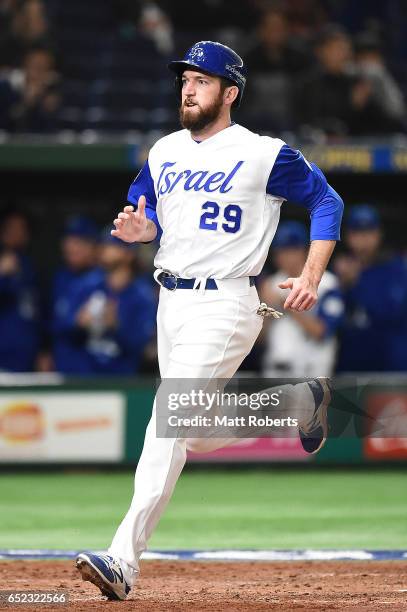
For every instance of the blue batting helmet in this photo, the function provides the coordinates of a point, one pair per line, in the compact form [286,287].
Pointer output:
[362,217]
[81,227]
[215,59]
[291,234]
[107,238]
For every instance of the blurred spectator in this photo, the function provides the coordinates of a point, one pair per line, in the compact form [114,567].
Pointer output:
[7,12]
[272,63]
[11,75]
[305,16]
[19,317]
[79,250]
[276,50]
[370,66]
[147,19]
[334,100]
[301,343]
[113,314]
[9,97]
[7,7]
[374,282]
[156,25]
[27,27]
[37,110]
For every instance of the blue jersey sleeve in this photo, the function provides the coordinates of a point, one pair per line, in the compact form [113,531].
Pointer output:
[295,179]
[143,185]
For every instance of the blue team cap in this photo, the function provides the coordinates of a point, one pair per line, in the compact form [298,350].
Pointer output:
[362,217]
[291,234]
[107,238]
[82,227]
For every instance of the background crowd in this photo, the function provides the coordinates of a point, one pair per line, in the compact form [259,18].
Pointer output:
[324,69]
[97,314]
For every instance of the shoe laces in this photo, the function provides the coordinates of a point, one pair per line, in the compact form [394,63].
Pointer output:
[110,561]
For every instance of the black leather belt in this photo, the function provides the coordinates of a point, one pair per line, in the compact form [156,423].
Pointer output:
[172,281]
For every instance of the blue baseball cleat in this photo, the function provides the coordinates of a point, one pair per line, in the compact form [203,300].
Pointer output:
[105,573]
[314,433]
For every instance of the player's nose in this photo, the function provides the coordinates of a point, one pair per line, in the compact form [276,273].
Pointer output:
[189,88]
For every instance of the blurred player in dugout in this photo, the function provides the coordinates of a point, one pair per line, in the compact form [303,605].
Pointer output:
[79,252]
[106,316]
[301,344]
[374,282]
[19,304]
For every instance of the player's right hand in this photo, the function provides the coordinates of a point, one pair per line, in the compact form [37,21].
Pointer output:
[131,224]
[303,293]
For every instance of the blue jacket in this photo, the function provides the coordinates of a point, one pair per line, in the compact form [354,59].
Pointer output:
[69,340]
[374,336]
[19,318]
[113,351]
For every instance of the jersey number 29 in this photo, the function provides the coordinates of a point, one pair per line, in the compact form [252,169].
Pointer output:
[232,216]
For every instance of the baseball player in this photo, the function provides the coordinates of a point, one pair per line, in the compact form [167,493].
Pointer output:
[374,281]
[303,343]
[212,193]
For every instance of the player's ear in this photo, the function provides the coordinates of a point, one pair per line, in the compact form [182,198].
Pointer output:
[230,95]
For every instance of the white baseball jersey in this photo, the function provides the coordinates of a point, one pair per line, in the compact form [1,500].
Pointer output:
[218,201]
[217,219]
[212,204]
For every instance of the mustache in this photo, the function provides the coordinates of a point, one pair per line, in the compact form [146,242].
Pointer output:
[200,118]
[188,102]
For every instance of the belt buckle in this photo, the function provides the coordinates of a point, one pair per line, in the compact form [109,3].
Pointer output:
[171,275]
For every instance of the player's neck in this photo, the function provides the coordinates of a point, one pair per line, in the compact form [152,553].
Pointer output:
[221,123]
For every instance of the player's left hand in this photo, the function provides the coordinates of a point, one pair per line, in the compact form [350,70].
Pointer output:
[303,294]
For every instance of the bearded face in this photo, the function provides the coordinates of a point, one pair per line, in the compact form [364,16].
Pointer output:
[202,100]
[196,117]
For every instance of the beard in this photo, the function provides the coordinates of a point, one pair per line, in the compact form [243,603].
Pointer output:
[199,118]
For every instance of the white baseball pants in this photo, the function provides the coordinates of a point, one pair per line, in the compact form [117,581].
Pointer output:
[200,334]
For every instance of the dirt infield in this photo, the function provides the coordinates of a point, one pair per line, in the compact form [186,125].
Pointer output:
[178,585]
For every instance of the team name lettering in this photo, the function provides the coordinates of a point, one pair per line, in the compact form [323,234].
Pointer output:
[200,180]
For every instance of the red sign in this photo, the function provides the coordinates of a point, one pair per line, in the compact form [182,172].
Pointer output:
[22,422]
[388,439]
